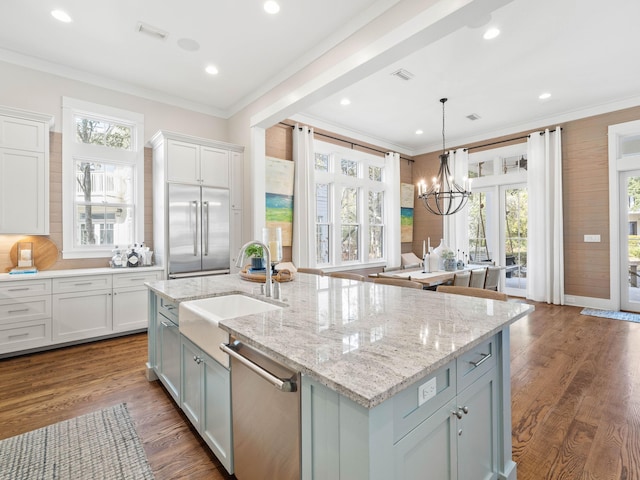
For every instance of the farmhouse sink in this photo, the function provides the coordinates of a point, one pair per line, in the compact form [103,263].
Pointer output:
[199,320]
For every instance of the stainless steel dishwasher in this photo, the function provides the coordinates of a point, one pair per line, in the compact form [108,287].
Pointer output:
[265,401]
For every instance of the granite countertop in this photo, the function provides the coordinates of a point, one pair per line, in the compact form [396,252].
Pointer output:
[5,277]
[364,340]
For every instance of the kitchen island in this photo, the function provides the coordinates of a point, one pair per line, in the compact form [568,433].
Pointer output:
[396,383]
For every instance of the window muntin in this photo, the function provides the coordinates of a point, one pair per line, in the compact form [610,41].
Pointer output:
[103,172]
[103,204]
[323,225]
[349,225]
[376,225]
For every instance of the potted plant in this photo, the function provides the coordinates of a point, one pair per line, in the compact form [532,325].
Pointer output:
[255,253]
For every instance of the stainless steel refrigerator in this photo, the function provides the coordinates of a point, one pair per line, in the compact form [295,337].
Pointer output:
[198,231]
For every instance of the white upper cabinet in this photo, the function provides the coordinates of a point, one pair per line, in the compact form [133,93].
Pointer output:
[195,163]
[24,172]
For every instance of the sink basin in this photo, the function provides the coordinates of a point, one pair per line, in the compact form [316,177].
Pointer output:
[199,320]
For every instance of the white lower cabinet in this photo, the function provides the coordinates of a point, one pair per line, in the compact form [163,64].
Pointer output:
[67,307]
[130,300]
[206,400]
[81,315]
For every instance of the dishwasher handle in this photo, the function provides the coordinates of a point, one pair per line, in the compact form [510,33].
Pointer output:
[282,385]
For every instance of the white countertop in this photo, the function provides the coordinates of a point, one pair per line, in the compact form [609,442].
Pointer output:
[366,341]
[5,277]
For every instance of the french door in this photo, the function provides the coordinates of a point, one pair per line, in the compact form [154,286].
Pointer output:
[498,218]
[629,210]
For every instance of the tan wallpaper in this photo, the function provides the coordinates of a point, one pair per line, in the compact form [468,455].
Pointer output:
[55,212]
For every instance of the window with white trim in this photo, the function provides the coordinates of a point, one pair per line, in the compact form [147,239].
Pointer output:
[350,205]
[102,178]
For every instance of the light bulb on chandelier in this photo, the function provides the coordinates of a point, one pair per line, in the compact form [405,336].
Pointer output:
[445,196]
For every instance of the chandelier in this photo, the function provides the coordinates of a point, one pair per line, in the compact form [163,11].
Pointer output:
[445,196]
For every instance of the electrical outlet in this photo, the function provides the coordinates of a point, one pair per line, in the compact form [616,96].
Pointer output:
[592,238]
[426,391]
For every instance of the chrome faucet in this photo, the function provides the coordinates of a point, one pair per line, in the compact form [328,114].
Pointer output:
[267,253]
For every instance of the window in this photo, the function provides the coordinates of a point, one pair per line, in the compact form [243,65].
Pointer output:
[349,206]
[103,171]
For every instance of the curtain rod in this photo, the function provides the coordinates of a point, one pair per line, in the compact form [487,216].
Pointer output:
[504,141]
[349,142]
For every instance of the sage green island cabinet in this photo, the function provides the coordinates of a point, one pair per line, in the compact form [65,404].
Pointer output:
[396,383]
[206,400]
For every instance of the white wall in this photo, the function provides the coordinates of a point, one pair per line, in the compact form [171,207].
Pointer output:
[41,92]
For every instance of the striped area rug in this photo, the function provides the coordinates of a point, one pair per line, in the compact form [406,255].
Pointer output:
[629,317]
[99,445]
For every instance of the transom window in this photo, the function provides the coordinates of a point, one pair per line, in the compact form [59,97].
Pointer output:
[103,170]
[349,206]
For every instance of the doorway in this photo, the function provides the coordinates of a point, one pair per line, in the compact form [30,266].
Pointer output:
[498,217]
[629,201]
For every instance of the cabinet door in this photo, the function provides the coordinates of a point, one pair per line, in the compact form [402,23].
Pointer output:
[192,382]
[168,356]
[23,193]
[216,417]
[236,180]
[22,134]
[183,162]
[235,240]
[478,430]
[81,315]
[129,309]
[214,167]
[430,450]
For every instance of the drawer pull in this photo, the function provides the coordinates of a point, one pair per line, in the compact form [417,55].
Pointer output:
[136,279]
[18,289]
[19,311]
[18,335]
[83,283]
[485,357]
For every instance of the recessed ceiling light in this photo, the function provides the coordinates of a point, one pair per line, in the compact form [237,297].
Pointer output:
[491,33]
[271,7]
[544,96]
[345,101]
[61,15]
[419,132]
[211,70]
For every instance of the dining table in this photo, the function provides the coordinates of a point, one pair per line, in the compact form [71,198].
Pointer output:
[427,279]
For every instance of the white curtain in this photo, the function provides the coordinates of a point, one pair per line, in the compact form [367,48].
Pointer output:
[545,252]
[456,226]
[303,197]
[392,170]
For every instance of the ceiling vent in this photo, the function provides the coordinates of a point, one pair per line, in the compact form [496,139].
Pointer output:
[152,31]
[403,74]
[473,116]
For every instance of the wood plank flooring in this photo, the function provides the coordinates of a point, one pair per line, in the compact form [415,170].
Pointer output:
[575,398]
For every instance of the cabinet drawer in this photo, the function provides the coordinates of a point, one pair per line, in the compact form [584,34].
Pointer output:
[476,362]
[25,288]
[81,284]
[439,388]
[168,309]
[137,279]
[24,335]
[31,308]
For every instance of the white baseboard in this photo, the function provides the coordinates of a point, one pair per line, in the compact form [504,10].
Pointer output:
[601,303]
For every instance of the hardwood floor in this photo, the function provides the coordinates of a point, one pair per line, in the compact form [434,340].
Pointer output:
[44,388]
[575,398]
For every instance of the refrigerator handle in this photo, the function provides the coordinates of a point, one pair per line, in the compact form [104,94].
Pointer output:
[205,224]
[195,230]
